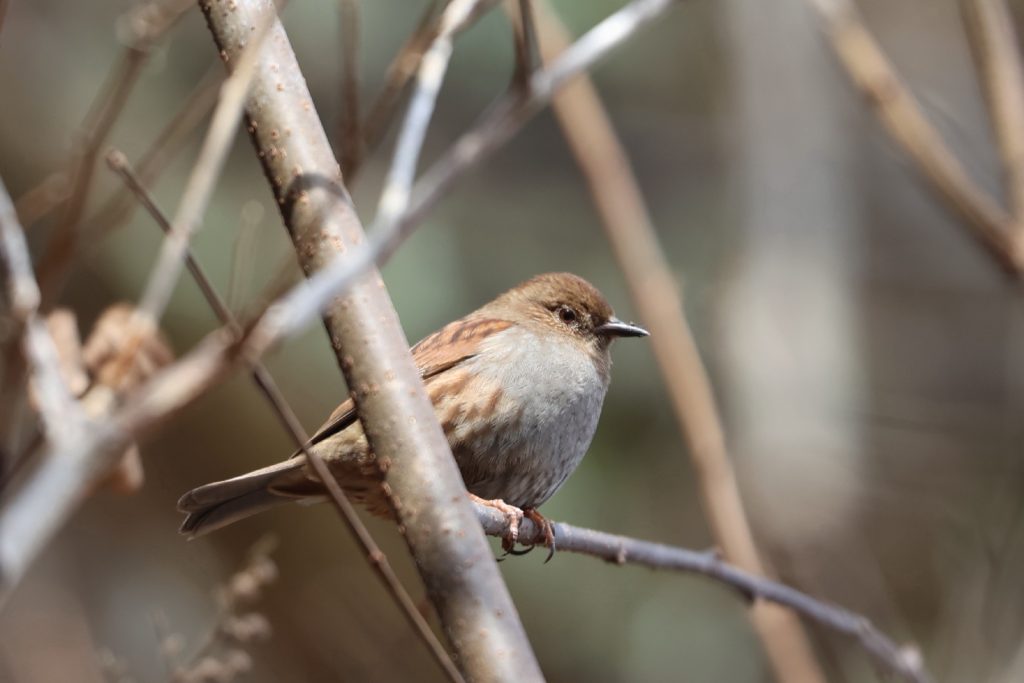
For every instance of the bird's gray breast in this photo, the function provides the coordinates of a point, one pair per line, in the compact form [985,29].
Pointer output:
[551,396]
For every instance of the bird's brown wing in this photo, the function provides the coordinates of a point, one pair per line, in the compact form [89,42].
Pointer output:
[448,347]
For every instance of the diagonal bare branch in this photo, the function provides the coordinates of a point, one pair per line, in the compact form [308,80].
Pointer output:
[394,198]
[997,53]
[226,119]
[351,139]
[63,418]
[168,142]
[402,68]
[268,387]
[506,116]
[902,117]
[525,40]
[143,26]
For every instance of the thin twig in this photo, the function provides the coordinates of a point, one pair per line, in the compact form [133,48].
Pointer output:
[896,107]
[71,185]
[350,140]
[198,191]
[525,41]
[402,68]
[506,116]
[394,198]
[997,53]
[167,144]
[634,241]
[62,417]
[904,661]
[226,119]
[243,253]
[265,382]
[145,24]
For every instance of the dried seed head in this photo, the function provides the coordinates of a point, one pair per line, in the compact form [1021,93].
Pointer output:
[246,628]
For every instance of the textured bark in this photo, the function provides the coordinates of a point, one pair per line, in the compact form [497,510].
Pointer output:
[428,495]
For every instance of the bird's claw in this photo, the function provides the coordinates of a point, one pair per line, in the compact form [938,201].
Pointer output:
[546,527]
[513,518]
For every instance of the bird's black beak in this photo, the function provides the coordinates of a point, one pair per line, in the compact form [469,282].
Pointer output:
[616,328]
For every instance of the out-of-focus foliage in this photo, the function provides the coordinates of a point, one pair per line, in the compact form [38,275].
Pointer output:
[866,353]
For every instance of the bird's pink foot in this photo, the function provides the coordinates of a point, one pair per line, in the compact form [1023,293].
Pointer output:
[513,517]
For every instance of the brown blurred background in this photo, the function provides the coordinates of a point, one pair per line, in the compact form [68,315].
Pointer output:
[868,356]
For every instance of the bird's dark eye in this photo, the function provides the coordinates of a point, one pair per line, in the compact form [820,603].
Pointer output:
[566,315]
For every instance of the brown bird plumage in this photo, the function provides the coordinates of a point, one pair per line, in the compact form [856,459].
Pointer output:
[517,386]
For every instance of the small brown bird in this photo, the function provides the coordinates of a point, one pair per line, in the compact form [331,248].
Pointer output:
[517,386]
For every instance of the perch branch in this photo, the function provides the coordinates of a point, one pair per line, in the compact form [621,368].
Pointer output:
[997,53]
[902,117]
[904,662]
[420,475]
[268,387]
[626,219]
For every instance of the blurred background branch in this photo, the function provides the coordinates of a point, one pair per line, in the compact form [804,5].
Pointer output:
[899,111]
[997,53]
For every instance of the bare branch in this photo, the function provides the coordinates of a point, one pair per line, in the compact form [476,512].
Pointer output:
[508,114]
[351,140]
[143,26]
[997,53]
[201,182]
[266,384]
[394,198]
[168,142]
[402,68]
[22,289]
[426,490]
[525,42]
[896,107]
[904,662]
[62,416]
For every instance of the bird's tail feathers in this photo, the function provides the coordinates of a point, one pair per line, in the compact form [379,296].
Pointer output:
[216,505]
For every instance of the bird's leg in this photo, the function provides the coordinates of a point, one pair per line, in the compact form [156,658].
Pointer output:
[513,517]
[546,527]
